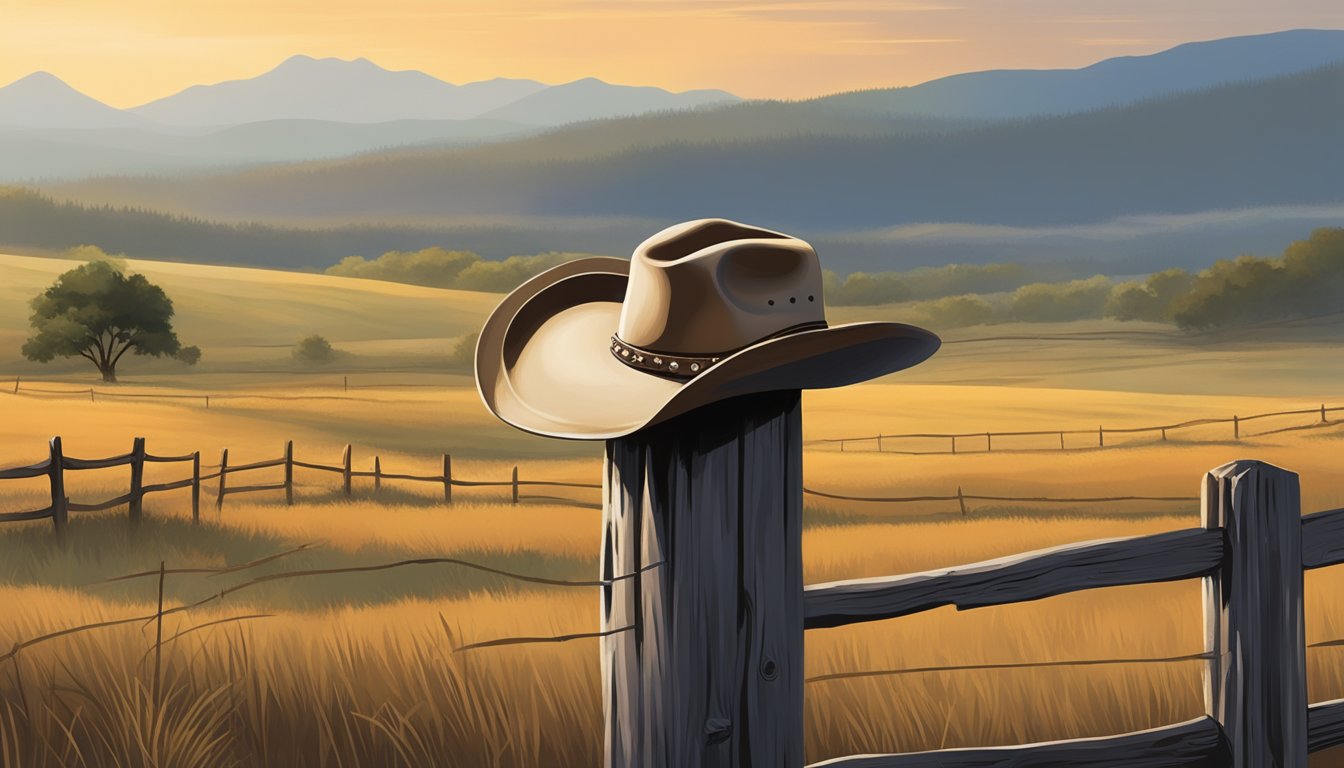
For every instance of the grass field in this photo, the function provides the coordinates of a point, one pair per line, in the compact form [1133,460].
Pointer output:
[359,670]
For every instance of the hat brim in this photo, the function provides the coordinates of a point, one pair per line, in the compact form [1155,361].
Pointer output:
[544,362]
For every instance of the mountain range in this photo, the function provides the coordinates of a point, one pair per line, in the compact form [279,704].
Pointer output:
[335,90]
[1055,165]
[315,109]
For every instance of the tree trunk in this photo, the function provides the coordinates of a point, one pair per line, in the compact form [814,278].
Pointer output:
[109,374]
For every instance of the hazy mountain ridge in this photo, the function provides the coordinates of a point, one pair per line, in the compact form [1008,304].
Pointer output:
[1268,143]
[1007,94]
[336,90]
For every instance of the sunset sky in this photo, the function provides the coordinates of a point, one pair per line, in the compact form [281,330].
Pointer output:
[131,51]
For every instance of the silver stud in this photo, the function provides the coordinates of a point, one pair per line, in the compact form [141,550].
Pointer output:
[695,367]
[657,361]
[639,358]
[673,365]
[625,353]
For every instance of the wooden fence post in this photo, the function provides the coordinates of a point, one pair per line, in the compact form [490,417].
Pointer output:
[377,475]
[196,487]
[515,483]
[60,503]
[1061,441]
[135,507]
[1101,437]
[702,663]
[1255,684]
[223,475]
[1164,434]
[989,442]
[879,443]
[207,402]
[1236,427]
[345,470]
[961,501]
[346,382]
[447,479]
[954,444]
[16,391]
[289,472]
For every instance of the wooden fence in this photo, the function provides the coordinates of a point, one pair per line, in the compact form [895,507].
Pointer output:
[1250,552]
[57,464]
[983,442]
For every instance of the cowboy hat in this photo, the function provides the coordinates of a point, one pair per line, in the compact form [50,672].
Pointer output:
[704,311]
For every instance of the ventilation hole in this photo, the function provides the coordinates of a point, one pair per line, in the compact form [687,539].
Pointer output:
[772,302]
[793,299]
[811,298]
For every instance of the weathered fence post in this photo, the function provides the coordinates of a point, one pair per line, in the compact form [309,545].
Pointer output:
[223,474]
[1255,684]
[447,479]
[1236,427]
[1061,441]
[954,444]
[702,516]
[345,470]
[289,472]
[1164,434]
[136,505]
[1101,437]
[346,381]
[16,391]
[196,487]
[961,501]
[989,442]
[207,402]
[377,474]
[60,503]
[515,484]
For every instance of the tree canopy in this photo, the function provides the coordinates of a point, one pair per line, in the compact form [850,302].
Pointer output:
[99,313]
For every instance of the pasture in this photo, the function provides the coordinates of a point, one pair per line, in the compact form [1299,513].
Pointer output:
[361,669]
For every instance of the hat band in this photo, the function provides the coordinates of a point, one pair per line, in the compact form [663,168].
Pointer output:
[680,366]
[684,366]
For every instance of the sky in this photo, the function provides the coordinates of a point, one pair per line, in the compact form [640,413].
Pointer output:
[129,52]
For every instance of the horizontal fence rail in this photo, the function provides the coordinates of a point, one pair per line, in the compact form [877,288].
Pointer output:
[57,465]
[983,441]
[1195,743]
[1069,568]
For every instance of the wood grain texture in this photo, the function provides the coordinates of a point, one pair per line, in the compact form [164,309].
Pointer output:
[1192,744]
[1255,682]
[1031,576]
[712,673]
[1325,725]
[1323,539]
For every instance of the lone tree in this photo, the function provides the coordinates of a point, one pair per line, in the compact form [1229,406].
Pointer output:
[314,350]
[100,314]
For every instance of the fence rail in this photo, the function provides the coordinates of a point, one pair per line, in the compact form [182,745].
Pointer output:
[984,441]
[57,464]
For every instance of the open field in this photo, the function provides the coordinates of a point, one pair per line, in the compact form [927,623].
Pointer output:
[359,670]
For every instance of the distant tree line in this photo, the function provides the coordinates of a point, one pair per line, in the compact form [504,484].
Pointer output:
[1306,280]
[439,268]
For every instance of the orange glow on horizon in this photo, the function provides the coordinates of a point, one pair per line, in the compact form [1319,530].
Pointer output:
[133,51]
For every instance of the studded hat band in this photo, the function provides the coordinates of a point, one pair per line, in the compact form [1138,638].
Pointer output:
[682,366]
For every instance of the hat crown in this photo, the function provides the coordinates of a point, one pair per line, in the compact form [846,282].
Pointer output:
[714,286]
